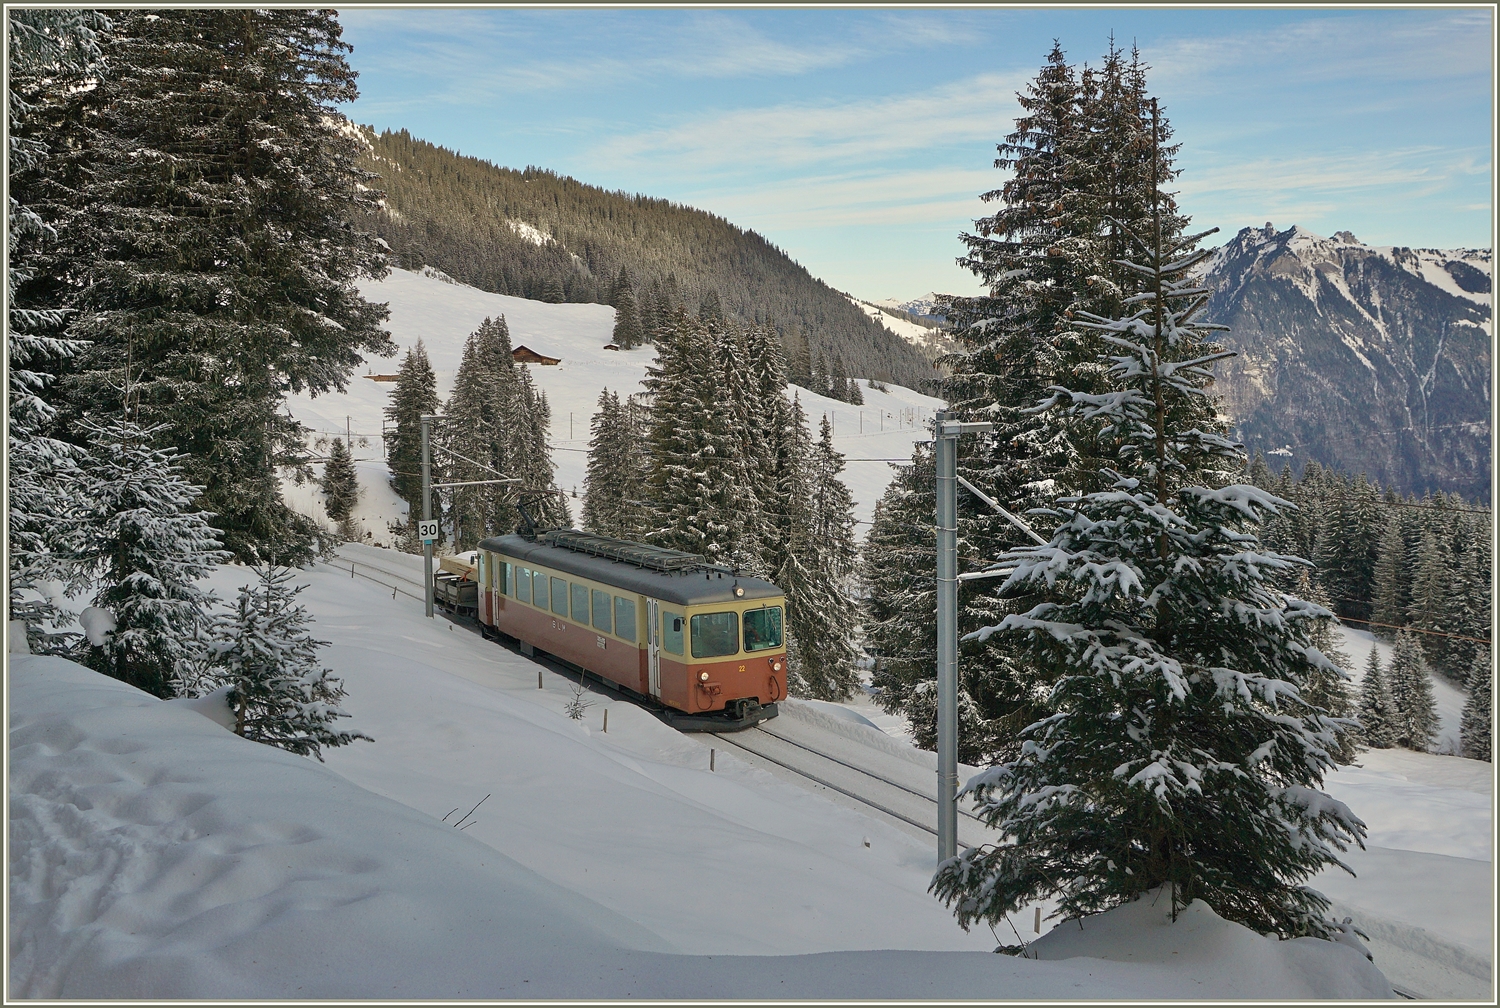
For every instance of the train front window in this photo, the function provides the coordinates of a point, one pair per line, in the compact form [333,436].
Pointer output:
[716,634]
[523,584]
[671,631]
[560,597]
[763,628]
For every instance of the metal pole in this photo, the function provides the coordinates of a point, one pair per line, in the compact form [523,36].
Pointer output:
[947,637]
[946,433]
[427,510]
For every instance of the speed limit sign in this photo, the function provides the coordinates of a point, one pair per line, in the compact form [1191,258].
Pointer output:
[428,530]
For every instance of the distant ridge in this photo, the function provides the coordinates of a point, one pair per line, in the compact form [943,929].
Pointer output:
[548,237]
[1370,359]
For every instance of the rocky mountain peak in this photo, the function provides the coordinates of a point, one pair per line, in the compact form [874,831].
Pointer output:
[1367,358]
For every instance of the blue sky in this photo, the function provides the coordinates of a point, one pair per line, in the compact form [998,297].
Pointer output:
[858,140]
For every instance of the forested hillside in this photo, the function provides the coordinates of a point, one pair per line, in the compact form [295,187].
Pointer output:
[540,235]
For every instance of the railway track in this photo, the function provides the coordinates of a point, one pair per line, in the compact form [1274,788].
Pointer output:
[905,801]
[910,807]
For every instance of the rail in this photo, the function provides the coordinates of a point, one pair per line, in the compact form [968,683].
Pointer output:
[860,769]
[830,785]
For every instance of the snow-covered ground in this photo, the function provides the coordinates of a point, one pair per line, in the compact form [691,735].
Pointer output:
[155,855]
[443,314]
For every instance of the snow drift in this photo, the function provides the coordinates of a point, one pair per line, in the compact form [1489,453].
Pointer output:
[156,855]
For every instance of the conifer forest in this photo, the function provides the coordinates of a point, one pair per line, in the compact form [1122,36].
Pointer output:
[1154,694]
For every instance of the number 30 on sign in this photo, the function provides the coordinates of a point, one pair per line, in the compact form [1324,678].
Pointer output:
[428,530]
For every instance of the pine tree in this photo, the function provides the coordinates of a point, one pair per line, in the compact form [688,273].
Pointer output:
[820,558]
[531,460]
[1432,588]
[1415,722]
[1477,730]
[230,179]
[414,396]
[507,405]
[280,695]
[1350,549]
[51,52]
[697,477]
[1327,686]
[628,332]
[709,308]
[1390,583]
[613,486]
[340,483]
[1079,181]
[144,546]
[1181,754]
[1376,711]
[472,438]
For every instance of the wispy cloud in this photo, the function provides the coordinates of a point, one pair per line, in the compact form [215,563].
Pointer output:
[974,110]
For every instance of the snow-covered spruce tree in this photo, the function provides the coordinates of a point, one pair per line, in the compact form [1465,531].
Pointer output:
[470,443]
[696,482]
[627,334]
[1180,753]
[1390,583]
[1476,732]
[144,545]
[262,649]
[531,462]
[50,53]
[218,182]
[1470,605]
[1346,566]
[818,561]
[613,485]
[1081,176]
[1415,720]
[340,484]
[1327,687]
[1375,711]
[1432,590]
[415,394]
[509,403]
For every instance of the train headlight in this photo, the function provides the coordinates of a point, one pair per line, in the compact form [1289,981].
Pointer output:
[703,677]
[776,665]
[739,592]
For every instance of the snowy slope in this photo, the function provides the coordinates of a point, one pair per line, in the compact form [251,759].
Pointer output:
[932,341]
[443,313]
[155,855]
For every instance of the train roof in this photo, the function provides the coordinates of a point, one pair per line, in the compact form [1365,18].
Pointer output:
[669,575]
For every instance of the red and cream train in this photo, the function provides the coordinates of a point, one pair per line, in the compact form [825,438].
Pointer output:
[703,641]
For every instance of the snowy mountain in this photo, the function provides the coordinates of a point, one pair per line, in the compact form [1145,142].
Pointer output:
[925,307]
[930,340]
[541,235]
[442,312]
[1373,359]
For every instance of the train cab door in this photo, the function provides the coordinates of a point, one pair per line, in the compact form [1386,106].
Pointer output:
[653,647]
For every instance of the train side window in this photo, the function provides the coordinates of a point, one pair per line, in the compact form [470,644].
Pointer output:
[625,618]
[560,597]
[523,584]
[580,600]
[763,628]
[671,631]
[716,634]
[601,611]
[503,571]
[539,589]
